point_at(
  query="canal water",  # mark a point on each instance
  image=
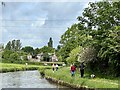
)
(25, 79)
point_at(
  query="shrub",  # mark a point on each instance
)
(25, 57)
(14, 56)
(73, 56)
(87, 54)
(6, 54)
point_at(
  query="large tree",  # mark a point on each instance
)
(50, 43)
(100, 20)
(98, 28)
(14, 45)
(28, 49)
(69, 40)
(8, 46)
(75, 36)
(47, 49)
(101, 15)
(18, 45)
(36, 51)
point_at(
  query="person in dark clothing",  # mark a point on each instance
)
(56, 67)
(82, 66)
(73, 68)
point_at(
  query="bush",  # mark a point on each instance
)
(6, 54)
(87, 54)
(25, 58)
(60, 58)
(73, 56)
(14, 56)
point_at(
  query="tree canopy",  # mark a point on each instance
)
(28, 49)
(50, 43)
(98, 32)
(14, 45)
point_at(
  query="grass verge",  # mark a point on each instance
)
(64, 75)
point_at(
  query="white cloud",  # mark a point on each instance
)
(37, 22)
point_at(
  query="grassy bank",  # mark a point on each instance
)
(64, 74)
(8, 67)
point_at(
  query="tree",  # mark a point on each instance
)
(73, 55)
(72, 38)
(13, 45)
(36, 51)
(101, 15)
(69, 40)
(14, 56)
(6, 54)
(1, 46)
(28, 49)
(87, 54)
(100, 18)
(110, 50)
(8, 46)
(58, 47)
(50, 43)
(18, 45)
(70, 34)
(46, 57)
(98, 33)
(47, 49)
(60, 58)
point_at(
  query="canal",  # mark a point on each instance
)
(25, 79)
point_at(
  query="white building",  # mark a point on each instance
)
(40, 56)
(29, 57)
(54, 58)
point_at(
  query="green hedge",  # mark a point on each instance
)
(30, 63)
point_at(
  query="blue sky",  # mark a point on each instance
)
(35, 22)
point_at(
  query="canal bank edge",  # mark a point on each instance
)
(9, 67)
(5, 70)
(61, 82)
(67, 84)
(49, 75)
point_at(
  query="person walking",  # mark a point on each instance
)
(73, 68)
(82, 66)
(56, 67)
(53, 67)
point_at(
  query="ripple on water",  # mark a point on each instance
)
(25, 79)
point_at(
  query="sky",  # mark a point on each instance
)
(35, 22)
